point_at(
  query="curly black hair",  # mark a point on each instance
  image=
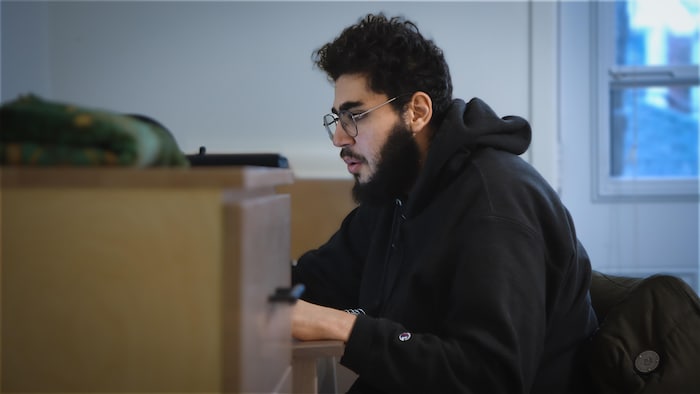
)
(394, 56)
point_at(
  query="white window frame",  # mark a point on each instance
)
(607, 74)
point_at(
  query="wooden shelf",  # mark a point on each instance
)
(144, 280)
(198, 177)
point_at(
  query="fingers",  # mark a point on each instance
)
(314, 322)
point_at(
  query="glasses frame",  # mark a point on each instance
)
(336, 118)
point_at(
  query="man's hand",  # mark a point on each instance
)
(314, 322)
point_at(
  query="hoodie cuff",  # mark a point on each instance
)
(357, 349)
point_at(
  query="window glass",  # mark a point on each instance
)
(654, 32)
(654, 112)
(650, 137)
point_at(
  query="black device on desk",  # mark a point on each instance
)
(237, 159)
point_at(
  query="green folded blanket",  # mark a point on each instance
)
(34, 131)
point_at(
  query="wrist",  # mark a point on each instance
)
(340, 325)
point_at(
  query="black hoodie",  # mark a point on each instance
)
(475, 283)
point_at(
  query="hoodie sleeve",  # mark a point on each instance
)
(332, 273)
(492, 339)
(506, 294)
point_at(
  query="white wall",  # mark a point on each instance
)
(24, 58)
(622, 237)
(238, 76)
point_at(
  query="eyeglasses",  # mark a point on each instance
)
(348, 120)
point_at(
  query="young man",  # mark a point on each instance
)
(460, 270)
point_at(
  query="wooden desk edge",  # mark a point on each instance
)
(317, 349)
(160, 177)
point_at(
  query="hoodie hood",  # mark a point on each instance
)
(475, 124)
(467, 127)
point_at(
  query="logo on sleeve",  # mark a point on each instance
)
(404, 336)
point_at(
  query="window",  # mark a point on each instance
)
(648, 99)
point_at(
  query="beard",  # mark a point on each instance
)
(397, 169)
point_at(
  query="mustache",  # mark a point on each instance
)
(346, 152)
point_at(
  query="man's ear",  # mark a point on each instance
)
(419, 111)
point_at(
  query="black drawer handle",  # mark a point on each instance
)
(287, 294)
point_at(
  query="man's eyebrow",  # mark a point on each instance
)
(346, 106)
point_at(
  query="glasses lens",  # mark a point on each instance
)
(329, 122)
(348, 123)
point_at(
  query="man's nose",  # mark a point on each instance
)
(341, 138)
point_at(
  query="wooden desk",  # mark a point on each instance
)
(157, 280)
(306, 357)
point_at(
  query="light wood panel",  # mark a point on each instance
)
(318, 208)
(144, 281)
